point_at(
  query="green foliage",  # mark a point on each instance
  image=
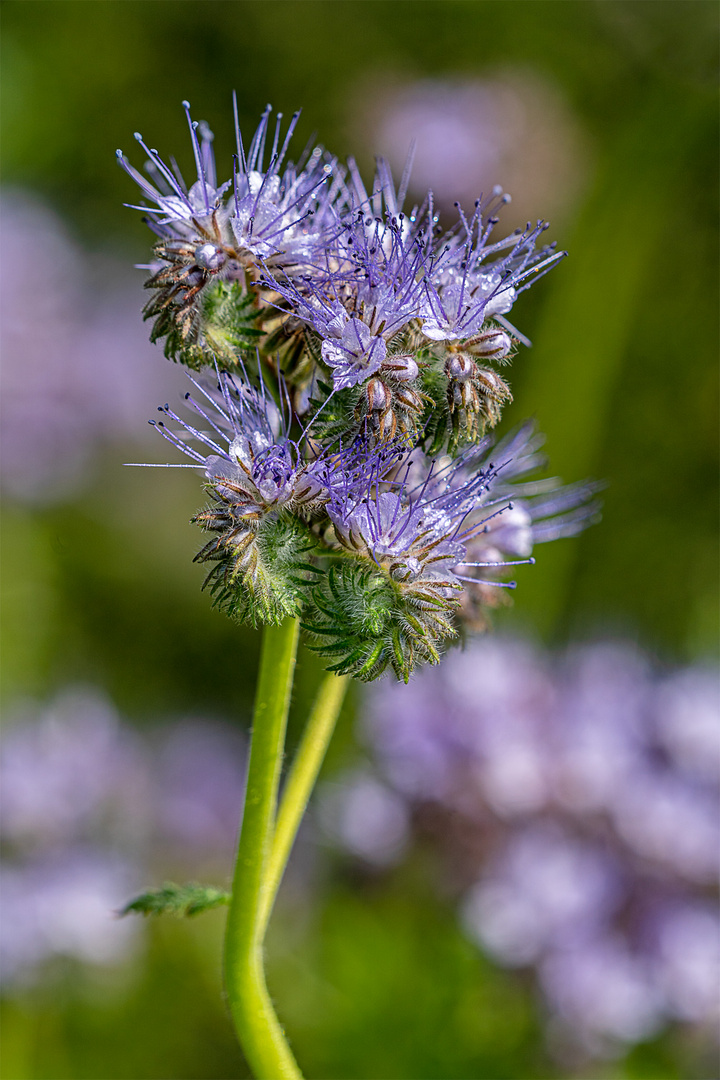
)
(437, 421)
(339, 415)
(218, 325)
(179, 900)
(395, 989)
(262, 574)
(450, 426)
(366, 622)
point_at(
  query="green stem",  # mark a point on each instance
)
(257, 1026)
(300, 783)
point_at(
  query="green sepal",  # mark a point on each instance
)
(269, 581)
(178, 900)
(364, 622)
(339, 412)
(438, 429)
(222, 327)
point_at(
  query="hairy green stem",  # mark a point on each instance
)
(300, 783)
(257, 1026)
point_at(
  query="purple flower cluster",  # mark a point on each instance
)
(351, 345)
(269, 209)
(371, 280)
(465, 520)
(390, 281)
(432, 526)
(253, 464)
(578, 804)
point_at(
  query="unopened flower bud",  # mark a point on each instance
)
(490, 382)
(387, 425)
(210, 257)
(378, 395)
(194, 276)
(408, 399)
(402, 368)
(308, 489)
(460, 367)
(495, 343)
(408, 570)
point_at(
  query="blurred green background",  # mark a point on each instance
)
(622, 378)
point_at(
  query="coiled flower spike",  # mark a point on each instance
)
(262, 496)
(422, 546)
(209, 242)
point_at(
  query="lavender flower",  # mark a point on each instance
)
(336, 279)
(465, 289)
(363, 297)
(210, 238)
(412, 527)
(89, 809)
(266, 215)
(77, 369)
(64, 905)
(468, 131)
(413, 530)
(254, 467)
(442, 512)
(388, 287)
(268, 493)
(581, 831)
(355, 356)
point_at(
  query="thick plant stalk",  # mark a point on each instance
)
(300, 783)
(257, 1026)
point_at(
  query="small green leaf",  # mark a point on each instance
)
(178, 900)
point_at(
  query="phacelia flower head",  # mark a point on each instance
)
(354, 346)
(262, 489)
(438, 538)
(471, 284)
(210, 236)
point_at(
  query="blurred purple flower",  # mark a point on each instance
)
(64, 767)
(366, 818)
(604, 992)
(77, 367)
(546, 888)
(64, 905)
(91, 811)
(512, 126)
(199, 788)
(578, 802)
